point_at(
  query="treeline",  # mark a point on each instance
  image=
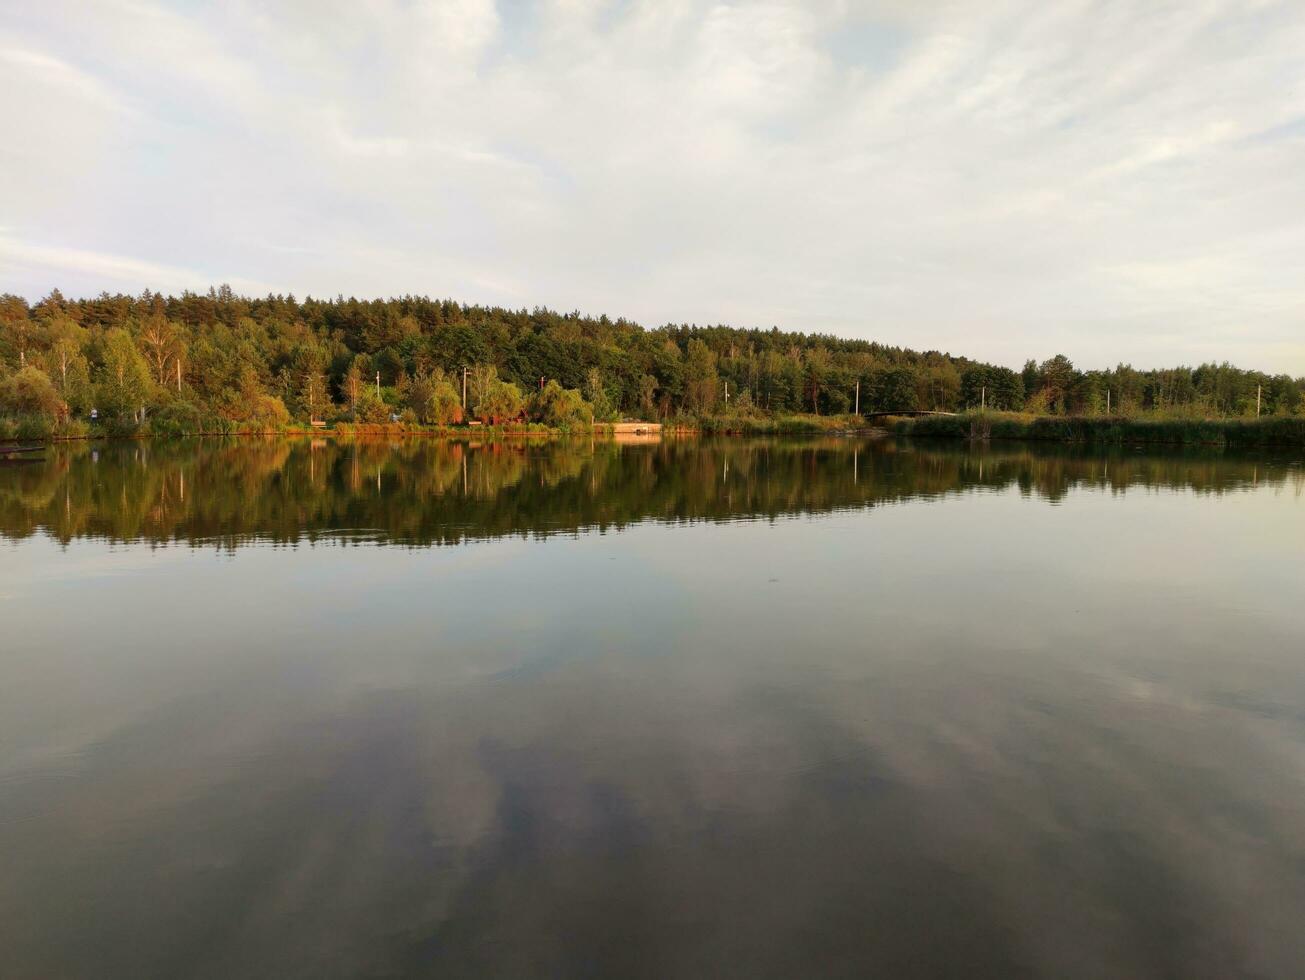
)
(222, 362)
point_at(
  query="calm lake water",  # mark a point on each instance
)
(697, 709)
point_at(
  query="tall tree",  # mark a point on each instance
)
(701, 382)
(125, 379)
(160, 339)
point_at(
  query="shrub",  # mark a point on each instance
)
(31, 392)
(34, 427)
(180, 418)
(258, 413)
(72, 428)
(562, 408)
(434, 400)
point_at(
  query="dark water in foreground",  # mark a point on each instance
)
(756, 709)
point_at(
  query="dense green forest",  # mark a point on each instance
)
(219, 362)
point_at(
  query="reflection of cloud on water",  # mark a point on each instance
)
(88, 561)
(989, 822)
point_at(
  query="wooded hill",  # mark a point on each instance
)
(221, 361)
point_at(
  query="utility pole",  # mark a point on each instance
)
(983, 399)
(858, 397)
(464, 391)
(1258, 389)
(378, 385)
(178, 373)
(1107, 401)
(727, 394)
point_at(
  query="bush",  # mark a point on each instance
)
(27, 427)
(258, 413)
(30, 392)
(562, 408)
(72, 429)
(121, 427)
(500, 402)
(434, 400)
(180, 418)
(371, 409)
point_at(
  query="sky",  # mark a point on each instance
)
(1115, 181)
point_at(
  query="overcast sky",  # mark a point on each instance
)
(1005, 179)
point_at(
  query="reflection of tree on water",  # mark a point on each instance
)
(422, 492)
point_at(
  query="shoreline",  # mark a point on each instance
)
(1108, 430)
(1276, 431)
(454, 435)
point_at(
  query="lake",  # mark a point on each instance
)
(754, 708)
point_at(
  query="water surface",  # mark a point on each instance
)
(744, 708)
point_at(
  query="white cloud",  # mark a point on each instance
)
(1115, 180)
(44, 70)
(20, 259)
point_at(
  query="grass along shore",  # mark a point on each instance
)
(1089, 430)
(1233, 433)
(40, 429)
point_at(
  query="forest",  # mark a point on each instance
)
(220, 362)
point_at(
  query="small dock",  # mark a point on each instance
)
(631, 432)
(631, 428)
